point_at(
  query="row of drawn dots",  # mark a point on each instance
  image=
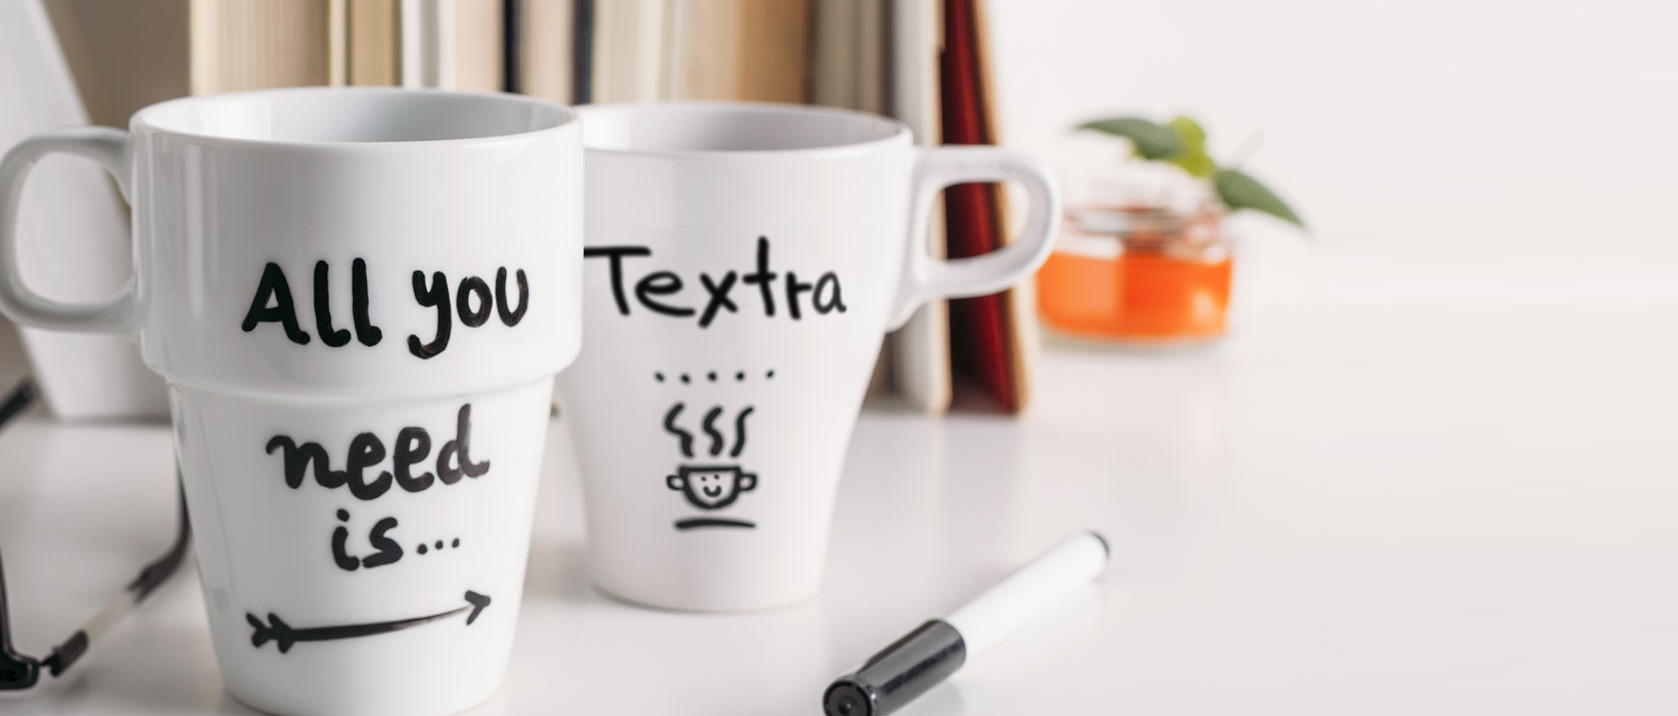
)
(712, 376)
(422, 549)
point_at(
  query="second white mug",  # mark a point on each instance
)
(742, 264)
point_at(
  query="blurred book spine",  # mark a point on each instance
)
(848, 54)
(451, 44)
(649, 50)
(545, 30)
(373, 42)
(988, 334)
(254, 44)
(919, 353)
(478, 45)
(753, 50)
(629, 39)
(922, 61)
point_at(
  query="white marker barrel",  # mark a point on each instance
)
(1070, 563)
(931, 653)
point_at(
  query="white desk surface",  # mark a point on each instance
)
(1428, 483)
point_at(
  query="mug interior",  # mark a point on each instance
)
(724, 127)
(360, 115)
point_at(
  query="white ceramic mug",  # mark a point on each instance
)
(359, 298)
(743, 263)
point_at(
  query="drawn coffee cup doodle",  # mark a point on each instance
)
(710, 486)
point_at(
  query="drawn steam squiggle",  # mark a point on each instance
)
(740, 432)
(709, 424)
(717, 440)
(671, 427)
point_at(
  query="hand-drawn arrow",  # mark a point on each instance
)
(284, 635)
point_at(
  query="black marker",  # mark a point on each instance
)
(922, 658)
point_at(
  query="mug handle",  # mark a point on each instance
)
(108, 147)
(926, 278)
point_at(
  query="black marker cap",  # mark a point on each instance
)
(899, 673)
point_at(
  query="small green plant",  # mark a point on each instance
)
(1182, 142)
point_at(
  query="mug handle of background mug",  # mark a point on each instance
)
(926, 278)
(108, 147)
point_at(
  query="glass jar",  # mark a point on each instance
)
(1138, 274)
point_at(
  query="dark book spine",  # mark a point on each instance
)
(512, 18)
(582, 48)
(979, 337)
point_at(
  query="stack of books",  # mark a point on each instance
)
(923, 61)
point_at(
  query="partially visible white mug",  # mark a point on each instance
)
(359, 298)
(743, 262)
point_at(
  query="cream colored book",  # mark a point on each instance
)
(450, 44)
(546, 45)
(920, 350)
(255, 44)
(477, 45)
(848, 54)
(751, 50)
(629, 42)
(373, 39)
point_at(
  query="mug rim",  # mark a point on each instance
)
(147, 117)
(900, 133)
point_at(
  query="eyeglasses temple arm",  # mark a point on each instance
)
(151, 577)
(17, 671)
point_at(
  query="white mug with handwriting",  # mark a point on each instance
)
(359, 298)
(743, 262)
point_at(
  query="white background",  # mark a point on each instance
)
(1383, 120)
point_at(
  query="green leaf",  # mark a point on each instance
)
(1190, 132)
(1151, 139)
(1241, 191)
(1197, 165)
(1192, 158)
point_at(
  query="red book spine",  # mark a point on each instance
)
(979, 345)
